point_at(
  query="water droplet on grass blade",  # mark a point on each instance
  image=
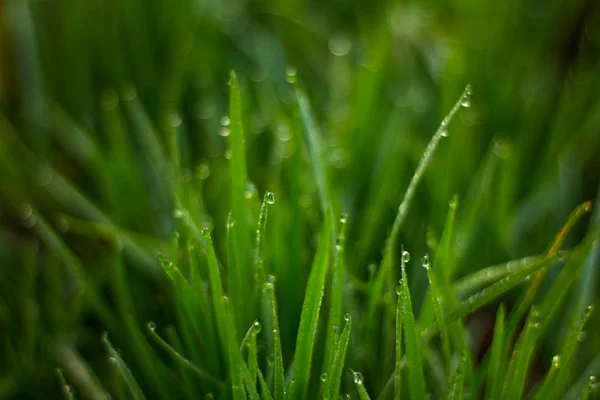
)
(344, 218)
(290, 74)
(225, 120)
(405, 256)
(444, 132)
(340, 45)
(358, 378)
(177, 213)
(256, 327)
(202, 171)
(224, 132)
(556, 361)
(425, 261)
(270, 197)
(347, 317)
(323, 377)
(152, 326)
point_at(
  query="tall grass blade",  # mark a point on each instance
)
(455, 386)
(310, 314)
(416, 381)
(239, 179)
(334, 376)
(115, 357)
(497, 358)
(360, 387)
(269, 288)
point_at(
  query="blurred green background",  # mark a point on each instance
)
(99, 97)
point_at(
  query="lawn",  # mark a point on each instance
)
(294, 199)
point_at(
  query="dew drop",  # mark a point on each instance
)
(256, 327)
(225, 120)
(205, 231)
(346, 396)
(425, 261)
(270, 197)
(290, 74)
(582, 336)
(445, 121)
(25, 211)
(358, 378)
(405, 256)
(177, 213)
(227, 153)
(224, 132)
(209, 396)
(589, 309)
(347, 317)
(444, 132)
(202, 171)
(556, 361)
(152, 326)
(343, 218)
(398, 289)
(323, 377)
(466, 101)
(112, 360)
(340, 45)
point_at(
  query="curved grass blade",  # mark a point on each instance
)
(486, 295)
(249, 342)
(557, 243)
(310, 315)
(334, 377)
(388, 254)
(265, 393)
(497, 358)
(216, 287)
(337, 283)
(416, 381)
(269, 288)
(201, 374)
(132, 385)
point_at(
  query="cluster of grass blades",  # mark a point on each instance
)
(356, 227)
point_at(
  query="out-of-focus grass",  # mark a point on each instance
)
(121, 140)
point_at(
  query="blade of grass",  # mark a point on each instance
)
(497, 358)
(269, 288)
(358, 381)
(516, 374)
(554, 384)
(201, 374)
(455, 386)
(390, 244)
(65, 388)
(239, 178)
(337, 285)
(557, 243)
(435, 296)
(334, 374)
(310, 314)
(125, 372)
(236, 364)
(265, 393)
(416, 381)
(398, 365)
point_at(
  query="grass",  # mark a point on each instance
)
(296, 200)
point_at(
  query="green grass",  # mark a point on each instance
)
(299, 200)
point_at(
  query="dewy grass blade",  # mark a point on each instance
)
(554, 248)
(398, 356)
(333, 383)
(203, 375)
(360, 387)
(234, 274)
(236, 364)
(249, 342)
(497, 358)
(416, 381)
(115, 357)
(269, 288)
(310, 314)
(486, 295)
(216, 287)
(265, 393)
(455, 385)
(516, 374)
(435, 296)
(337, 284)
(239, 180)
(388, 254)
(65, 388)
(554, 384)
